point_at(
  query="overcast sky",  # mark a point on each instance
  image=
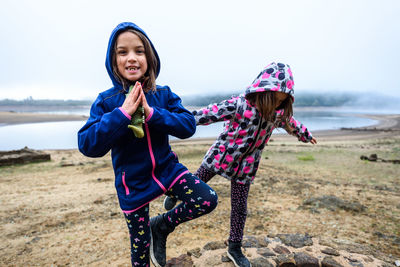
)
(56, 49)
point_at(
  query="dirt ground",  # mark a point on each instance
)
(65, 212)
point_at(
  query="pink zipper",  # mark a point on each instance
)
(152, 159)
(123, 181)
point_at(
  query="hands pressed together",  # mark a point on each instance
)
(135, 99)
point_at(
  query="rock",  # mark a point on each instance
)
(330, 251)
(330, 262)
(333, 203)
(261, 262)
(305, 260)
(224, 258)
(397, 263)
(214, 245)
(265, 252)
(194, 252)
(183, 260)
(296, 240)
(22, 156)
(250, 242)
(212, 260)
(285, 260)
(263, 241)
(337, 253)
(281, 250)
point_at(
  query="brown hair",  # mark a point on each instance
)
(148, 81)
(265, 103)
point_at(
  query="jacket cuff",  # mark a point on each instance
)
(150, 115)
(126, 114)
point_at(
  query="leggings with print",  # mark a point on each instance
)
(197, 199)
(239, 194)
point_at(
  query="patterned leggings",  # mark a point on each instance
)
(197, 199)
(239, 194)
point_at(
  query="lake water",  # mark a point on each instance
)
(63, 135)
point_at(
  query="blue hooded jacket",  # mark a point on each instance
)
(144, 168)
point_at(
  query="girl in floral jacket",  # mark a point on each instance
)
(249, 122)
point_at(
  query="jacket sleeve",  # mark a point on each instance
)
(224, 110)
(101, 130)
(174, 119)
(299, 130)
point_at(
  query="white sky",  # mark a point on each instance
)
(56, 49)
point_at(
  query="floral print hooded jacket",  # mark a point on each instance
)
(237, 151)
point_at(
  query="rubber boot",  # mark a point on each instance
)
(169, 202)
(236, 255)
(159, 233)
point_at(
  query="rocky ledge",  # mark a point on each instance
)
(288, 250)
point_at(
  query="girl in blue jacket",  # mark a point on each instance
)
(145, 167)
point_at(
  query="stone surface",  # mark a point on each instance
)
(181, 261)
(330, 251)
(214, 245)
(22, 156)
(194, 252)
(330, 262)
(285, 260)
(265, 252)
(281, 250)
(274, 252)
(250, 242)
(305, 260)
(261, 262)
(333, 203)
(296, 240)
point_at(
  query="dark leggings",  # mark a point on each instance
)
(239, 194)
(197, 199)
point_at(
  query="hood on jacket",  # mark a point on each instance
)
(120, 28)
(275, 77)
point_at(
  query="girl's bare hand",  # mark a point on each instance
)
(133, 99)
(313, 141)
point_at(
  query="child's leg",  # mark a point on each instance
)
(197, 199)
(204, 174)
(239, 194)
(139, 232)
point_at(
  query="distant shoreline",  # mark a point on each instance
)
(13, 118)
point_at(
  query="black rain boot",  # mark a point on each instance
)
(159, 233)
(236, 255)
(170, 202)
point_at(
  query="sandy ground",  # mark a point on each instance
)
(65, 212)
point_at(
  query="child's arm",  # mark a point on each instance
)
(225, 110)
(101, 130)
(300, 131)
(297, 129)
(174, 120)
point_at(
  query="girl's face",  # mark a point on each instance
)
(131, 56)
(279, 98)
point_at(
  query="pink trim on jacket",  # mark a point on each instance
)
(176, 179)
(150, 114)
(152, 159)
(126, 114)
